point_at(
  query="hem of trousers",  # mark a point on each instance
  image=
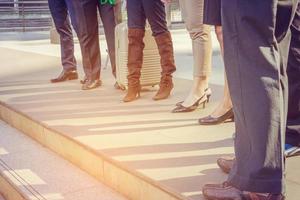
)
(202, 74)
(70, 68)
(273, 186)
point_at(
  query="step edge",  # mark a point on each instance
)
(102, 156)
(9, 190)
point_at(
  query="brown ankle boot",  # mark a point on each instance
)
(165, 47)
(133, 93)
(165, 88)
(135, 60)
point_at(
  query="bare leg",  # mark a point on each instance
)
(197, 90)
(225, 103)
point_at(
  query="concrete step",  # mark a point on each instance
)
(140, 149)
(30, 171)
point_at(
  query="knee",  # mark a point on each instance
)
(202, 33)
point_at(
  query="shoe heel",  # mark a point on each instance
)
(208, 98)
(204, 104)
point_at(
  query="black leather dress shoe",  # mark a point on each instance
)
(225, 191)
(209, 120)
(65, 76)
(91, 84)
(226, 164)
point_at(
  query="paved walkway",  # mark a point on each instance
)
(41, 174)
(169, 148)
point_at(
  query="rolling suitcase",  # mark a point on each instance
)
(150, 73)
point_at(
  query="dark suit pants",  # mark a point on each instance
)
(257, 83)
(154, 11)
(60, 10)
(293, 71)
(87, 31)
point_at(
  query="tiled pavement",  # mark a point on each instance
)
(169, 148)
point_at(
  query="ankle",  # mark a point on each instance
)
(200, 84)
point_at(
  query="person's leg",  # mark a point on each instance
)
(136, 33)
(109, 24)
(225, 105)
(200, 34)
(293, 72)
(59, 12)
(253, 65)
(254, 80)
(156, 15)
(85, 12)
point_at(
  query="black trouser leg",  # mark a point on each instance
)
(293, 71)
(109, 24)
(156, 16)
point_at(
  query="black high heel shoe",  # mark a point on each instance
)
(201, 101)
(207, 91)
(208, 94)
(209, 120)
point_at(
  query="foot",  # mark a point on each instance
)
(191, 100)
(226, 164)
(65, 76)
(91, 84)
(210, 120)
(208, 95)
(226, 191)
(200, 101)
(199, 87)
(133, 93)
(224, 106)
(164, 91)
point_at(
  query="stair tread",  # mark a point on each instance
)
(49, 175)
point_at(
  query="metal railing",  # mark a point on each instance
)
(24, 15)
(34, 15)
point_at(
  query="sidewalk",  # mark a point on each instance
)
(39, 43)
(41, 174)
(169, 150)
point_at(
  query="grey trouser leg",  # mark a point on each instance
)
(108, 20)
(87, 32)
(256, 81)
(293, 72)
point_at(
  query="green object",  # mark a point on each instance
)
(111, 2)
